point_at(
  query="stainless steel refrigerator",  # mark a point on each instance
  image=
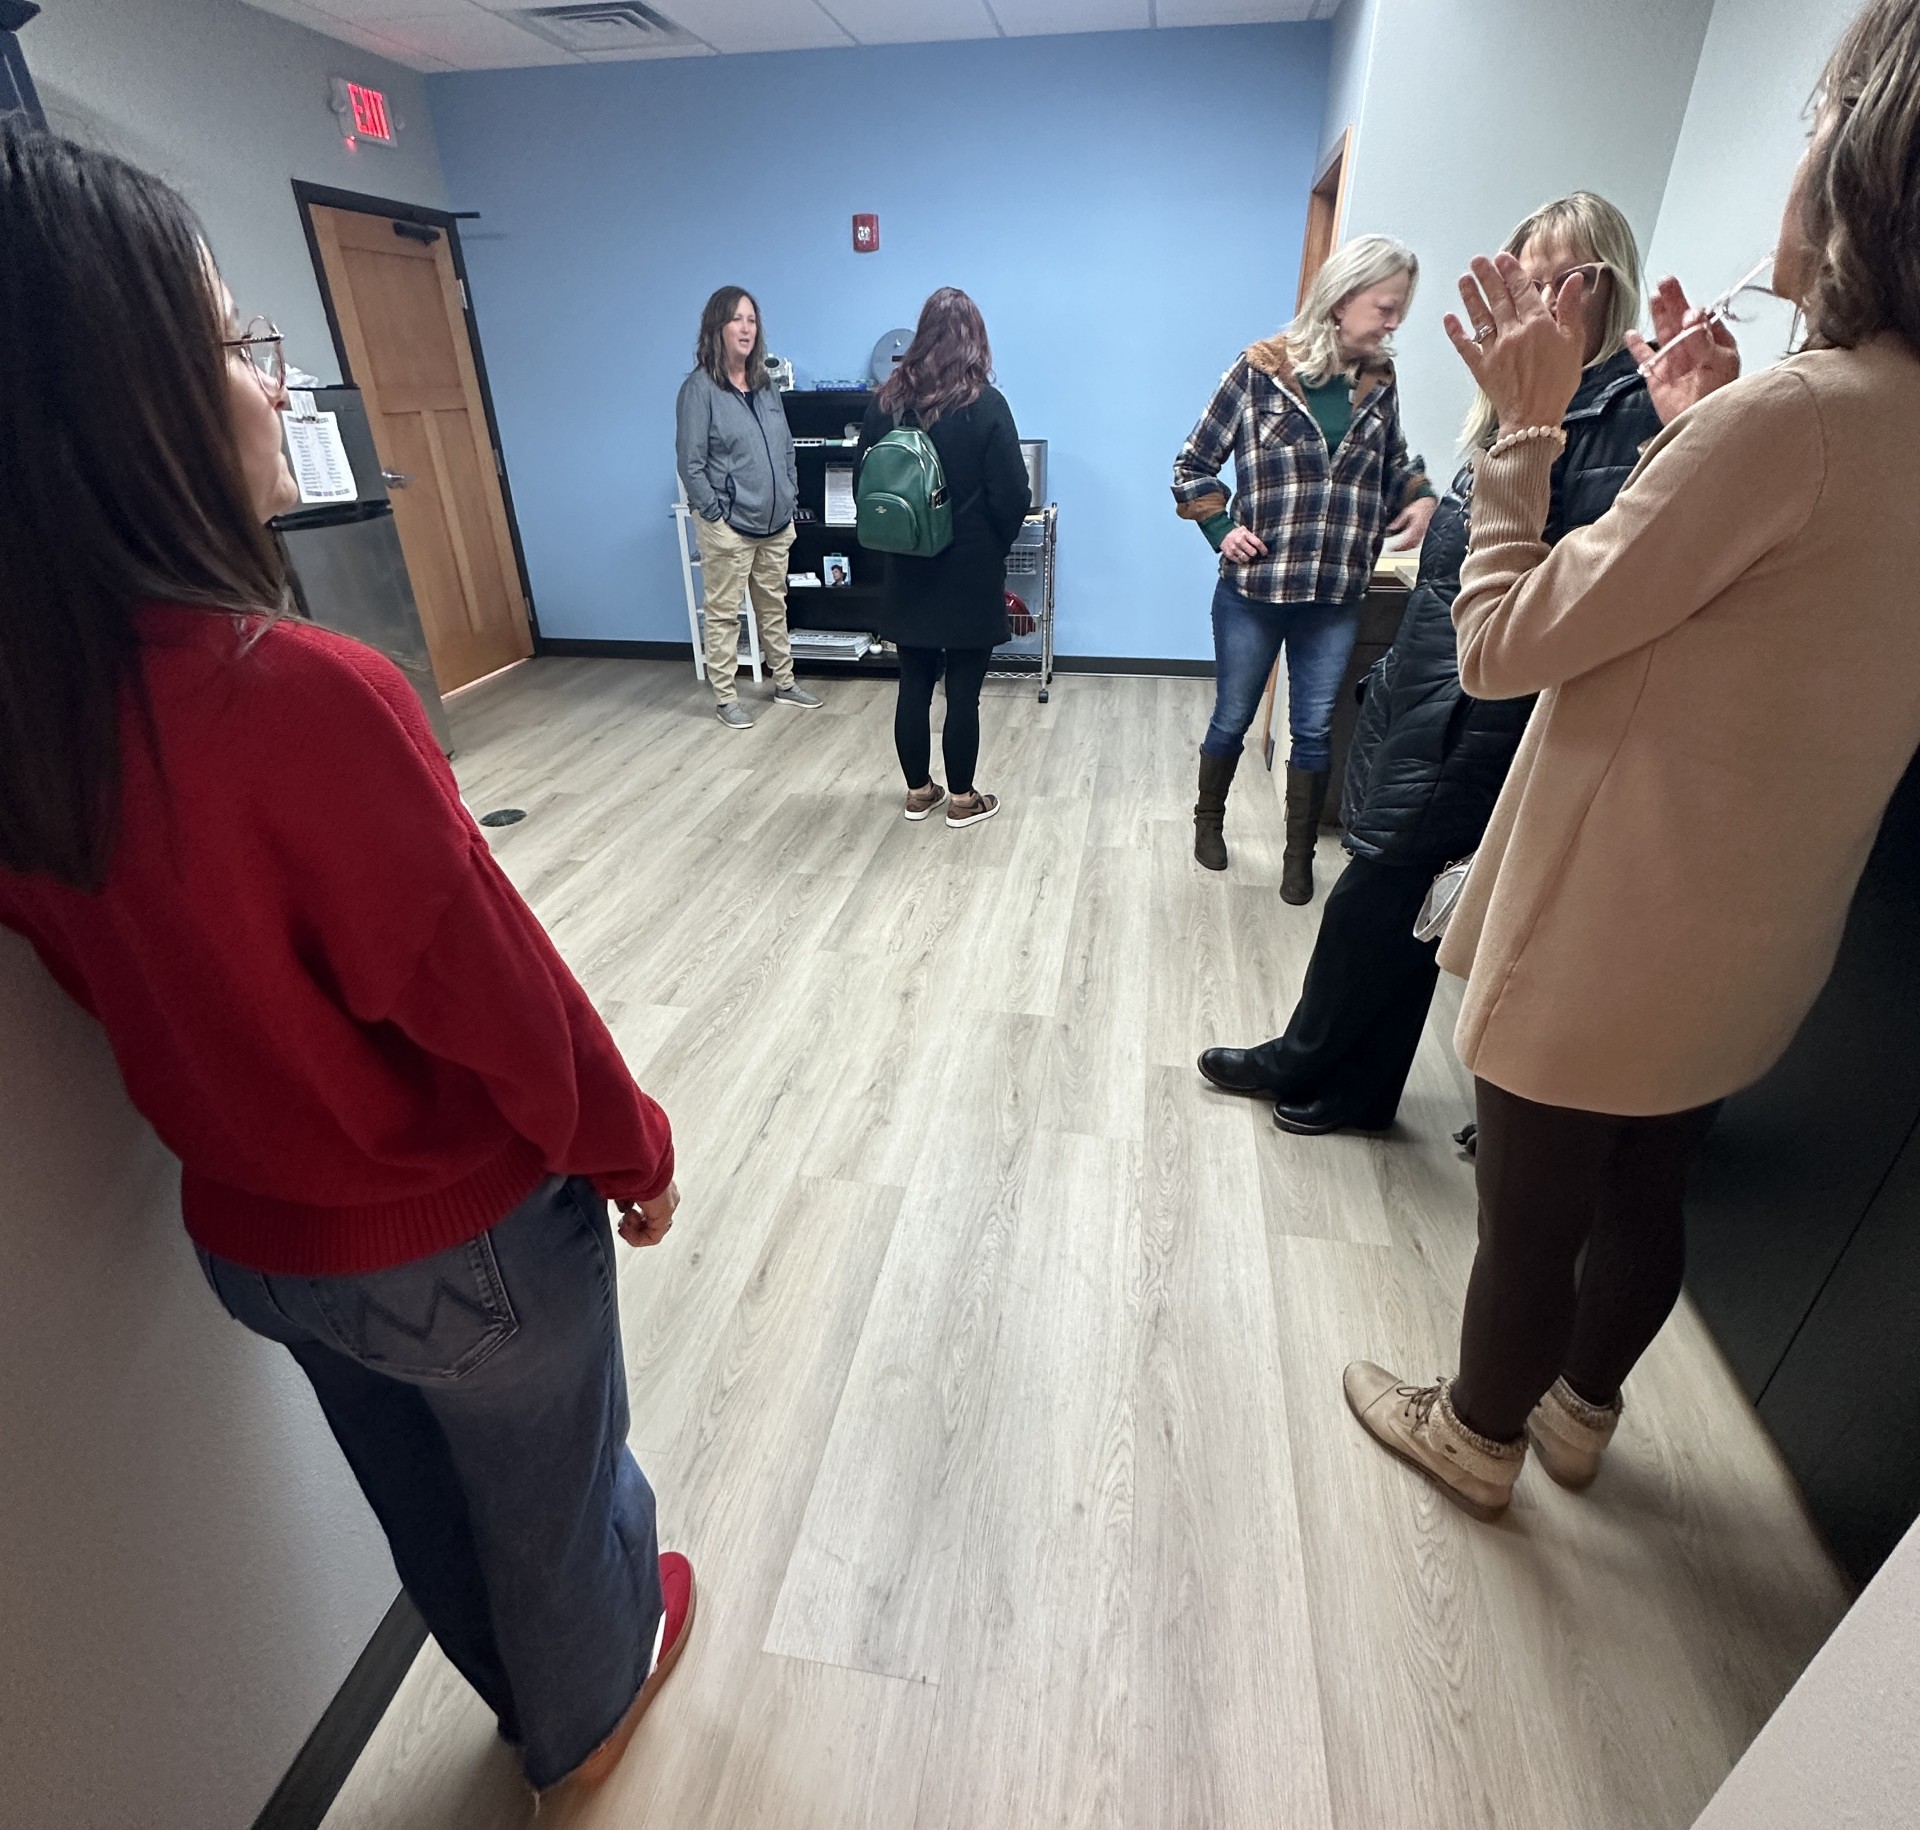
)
(345, 560)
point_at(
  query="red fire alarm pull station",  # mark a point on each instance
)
(866, 234)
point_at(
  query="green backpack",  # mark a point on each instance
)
(902, 505)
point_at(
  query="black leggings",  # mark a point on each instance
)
(1554, 1182)
(960, 740)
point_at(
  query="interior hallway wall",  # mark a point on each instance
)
(187, 1571)
(1745, 128)
(1471, 113)
(230, 104)
(1127, 209)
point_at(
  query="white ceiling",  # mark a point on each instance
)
(485, 35)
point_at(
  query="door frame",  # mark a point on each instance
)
(1326, 209)
(307, 196)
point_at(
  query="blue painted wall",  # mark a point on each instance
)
(1127, 208)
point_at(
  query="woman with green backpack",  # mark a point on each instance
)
(942, 490)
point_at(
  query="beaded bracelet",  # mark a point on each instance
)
(1507, 441)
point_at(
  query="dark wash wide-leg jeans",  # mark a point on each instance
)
(480, 1396)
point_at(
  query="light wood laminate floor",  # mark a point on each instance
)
(991, 1374)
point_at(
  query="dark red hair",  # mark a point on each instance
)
(947, 363)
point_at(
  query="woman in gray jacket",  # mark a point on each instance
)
(735, 456)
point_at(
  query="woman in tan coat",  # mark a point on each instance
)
(1728, 666)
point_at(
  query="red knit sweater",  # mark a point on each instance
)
(321, 990)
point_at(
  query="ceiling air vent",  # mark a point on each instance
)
(605, 25)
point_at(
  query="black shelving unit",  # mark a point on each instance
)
(832, 414)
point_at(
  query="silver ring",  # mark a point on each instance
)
(1480, 336)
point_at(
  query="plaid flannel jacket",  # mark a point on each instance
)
(1323, 515)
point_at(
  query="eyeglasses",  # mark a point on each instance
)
(1589, 271)
(265, 349)
(1737, 305)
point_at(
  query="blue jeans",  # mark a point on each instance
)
(1247, 639)
(480, 1397)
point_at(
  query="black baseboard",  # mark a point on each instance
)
(593, 647)
(307, 1790)
(588, 647)
(1159, 667)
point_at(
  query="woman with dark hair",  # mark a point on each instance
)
(402, 1180)
(1729, 691)
(735, 457)
(1427, 761)
(949, 612)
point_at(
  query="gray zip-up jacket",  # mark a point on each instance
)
(735, 458)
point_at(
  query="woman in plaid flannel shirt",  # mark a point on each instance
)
(1311, 420)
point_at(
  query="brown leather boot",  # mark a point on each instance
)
(1210, 810)
(1306, 800)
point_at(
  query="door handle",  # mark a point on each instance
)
(395, 479)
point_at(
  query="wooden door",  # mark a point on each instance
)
(403, 321)
(1326, 211)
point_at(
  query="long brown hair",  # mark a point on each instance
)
(1861, 209)
(947, 363)
(711, 351)
(120, 478)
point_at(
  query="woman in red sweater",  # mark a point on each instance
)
(232, 838)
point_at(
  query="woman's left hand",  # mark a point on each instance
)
(1411, 524)
(1526, 354)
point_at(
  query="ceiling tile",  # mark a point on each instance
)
(1233, 12)
(1031, 18)
(912, 21)
(469, 40)
(756, 25)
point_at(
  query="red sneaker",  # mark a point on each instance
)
(676, 1627)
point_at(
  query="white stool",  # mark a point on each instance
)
(696, 599)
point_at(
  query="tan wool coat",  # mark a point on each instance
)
(1729, 670)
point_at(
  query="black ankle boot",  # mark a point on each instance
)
(1316, 1117)
(1242, 1070)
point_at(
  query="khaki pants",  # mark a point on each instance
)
(731, 566)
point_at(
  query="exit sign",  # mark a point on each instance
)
(363, 113)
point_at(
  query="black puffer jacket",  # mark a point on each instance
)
(1427, 762)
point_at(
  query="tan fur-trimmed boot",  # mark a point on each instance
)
(1570, 1435)
(1418, 1424)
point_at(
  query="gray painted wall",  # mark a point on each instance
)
(187, 1571)
(1745, 129)
(231, 104)
(1475, 111)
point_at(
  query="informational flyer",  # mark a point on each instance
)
(839, 509)
(318, 458)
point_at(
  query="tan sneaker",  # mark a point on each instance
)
(971, 808)
(923, 801)
(1570, 1434)
(1417, 1422)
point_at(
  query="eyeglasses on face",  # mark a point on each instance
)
(1589, 271)
(265, 349)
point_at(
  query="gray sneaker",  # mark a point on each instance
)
(796, 695)
(733, 715)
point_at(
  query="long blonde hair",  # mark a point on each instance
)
(1593, 230)
(1313, 339)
